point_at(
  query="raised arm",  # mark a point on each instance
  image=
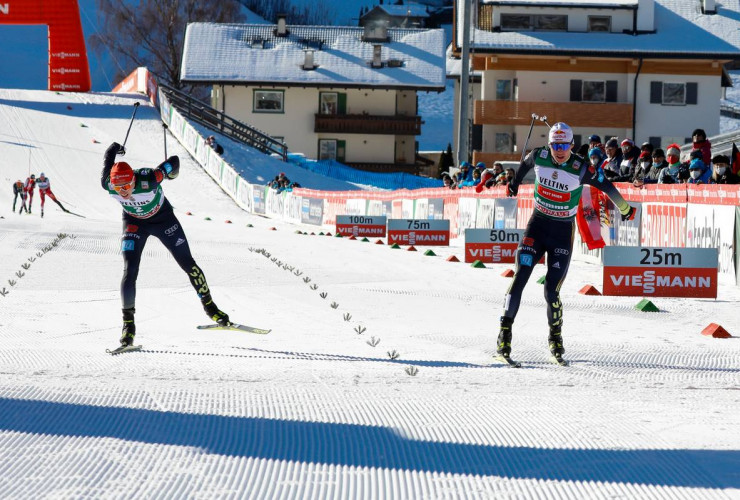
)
(108, 160)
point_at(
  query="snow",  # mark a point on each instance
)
(226, 53)
(648, 408)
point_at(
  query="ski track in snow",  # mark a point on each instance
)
(648, 408)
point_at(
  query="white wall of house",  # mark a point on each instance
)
(296, 123)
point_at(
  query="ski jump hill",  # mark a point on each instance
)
(376, 380)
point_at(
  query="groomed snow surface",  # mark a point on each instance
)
(648, 409)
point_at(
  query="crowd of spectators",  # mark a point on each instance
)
(281, 183)
(623, 161)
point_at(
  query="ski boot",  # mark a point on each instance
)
(504, 337)
(129, 328)
(42, 213)
(213, 311)
(555, 343)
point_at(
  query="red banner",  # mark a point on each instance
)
(660, 282)
(68, 66)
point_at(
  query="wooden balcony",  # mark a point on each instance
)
(368, 124)
(575, 114)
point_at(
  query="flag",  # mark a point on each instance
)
(735, 159)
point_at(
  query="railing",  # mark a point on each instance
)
(222, 123)
(575, 114)
(368, 124)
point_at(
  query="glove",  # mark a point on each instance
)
(630, 215)
(511, 189)
(483, 180)
(171, 168)
(120, 150)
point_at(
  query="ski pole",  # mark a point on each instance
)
(136, 106)
(164, 129)
(529, 134)
(544, 120)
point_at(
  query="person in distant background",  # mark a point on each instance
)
(211, 141)
(18, 192)
(28, 188)
(45, 190)
(701, 143)
(721, 173)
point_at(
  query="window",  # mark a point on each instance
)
(332, 149)
(503, 90)
(268, 101)
(332, 103)
(673, 93)
(526, 22)
(600, 23)
(594, 91)
(503, 143)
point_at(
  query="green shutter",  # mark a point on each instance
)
(342, 104)
(341, 147)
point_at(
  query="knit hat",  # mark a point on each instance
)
(611, 143)
(627, 142)
(658, 153)
(595, 152)
(645, 155)
(594, 138)
(121, 173)
(674, 149)
(697, 154)
(721, 159)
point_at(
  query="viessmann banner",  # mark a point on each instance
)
(661, 272)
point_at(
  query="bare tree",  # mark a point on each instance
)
(151, 33)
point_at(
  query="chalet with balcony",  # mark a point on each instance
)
(342, 93)
(650, 70)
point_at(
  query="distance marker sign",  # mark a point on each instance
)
(660, 272)
(492, 246)
(419, 232)
(361, 225)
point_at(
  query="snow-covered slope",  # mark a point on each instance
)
(648, 408)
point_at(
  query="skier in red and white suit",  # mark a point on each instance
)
(44, 186)
(28, 189)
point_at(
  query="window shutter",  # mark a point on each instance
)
(611, 90)
(577, 138)
(692, 92)
(656, 92)
(655, 141)
(575, 90)
(341, 151)
(342, 98)
(477, 139)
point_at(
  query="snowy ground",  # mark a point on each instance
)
(648, 409)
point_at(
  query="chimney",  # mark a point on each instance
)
(282, 25)
(645, 17)
(308, 60)
(709, 7)
(376, 32)
(377, 51)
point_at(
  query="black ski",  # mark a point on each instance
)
(507, 360)
(235, 327)
(123, 348)
(72, 213)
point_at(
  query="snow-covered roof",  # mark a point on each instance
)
(246, 53)
(681, 30)
(412, 10)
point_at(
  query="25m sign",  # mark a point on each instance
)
(660, 272)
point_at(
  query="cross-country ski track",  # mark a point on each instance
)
(649, 408)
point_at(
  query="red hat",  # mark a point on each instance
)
(674, 149)
(121, 173)
(645, 154)
(627, 142)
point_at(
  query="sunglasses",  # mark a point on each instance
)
(559, 146)
(123, 187)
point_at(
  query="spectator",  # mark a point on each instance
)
(721, 173)
(656, 168)
(465, 174)
(699, 172)
(612, 160)
(701, 143)
(498, 172)
(672, 174)
(646, 146)
(448, 182)
(508, 177)
(476, 176)
(644, 166)
(596, 156)
(211, 141)
(628, 165)
(583, 150)
(594, 141)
